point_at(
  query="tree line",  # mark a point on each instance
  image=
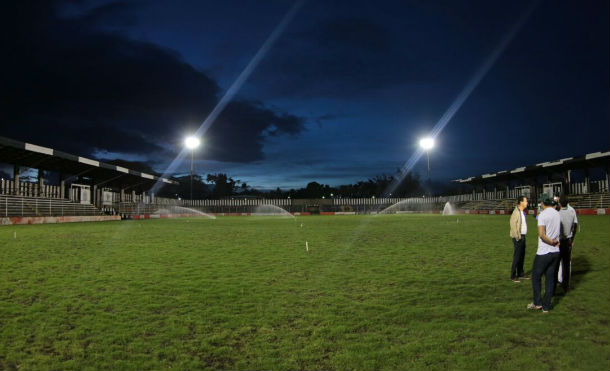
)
(220, 185)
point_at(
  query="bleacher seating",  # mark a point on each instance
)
(584, 201)
(16, 206)
(590, 201)
(483, 205)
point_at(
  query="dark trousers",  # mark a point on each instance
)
(518, 257)
(544, 265)
(565, 257)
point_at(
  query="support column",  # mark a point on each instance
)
(16, 178)
(62, 186)
(587, 182)
(94, 196)
(41, 192)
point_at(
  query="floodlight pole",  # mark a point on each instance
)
(192, 151)
(191, 143)
(428, 158)
(426, 144)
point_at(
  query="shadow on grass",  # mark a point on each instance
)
(580, 268)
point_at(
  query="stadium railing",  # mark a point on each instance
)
(590, 201)
(16, 206)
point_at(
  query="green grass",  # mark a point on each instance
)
(389, 292)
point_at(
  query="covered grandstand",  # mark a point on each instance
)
(584, 179)
(83, 187)
(94, 189)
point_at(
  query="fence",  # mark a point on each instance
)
(358, 205)
(236, 202)
(175, 206)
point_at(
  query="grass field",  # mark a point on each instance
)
(422, 292)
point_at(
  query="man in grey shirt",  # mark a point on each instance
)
(568, 231)
(575, 220)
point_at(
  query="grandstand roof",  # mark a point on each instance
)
(38, 157)
(594, 159)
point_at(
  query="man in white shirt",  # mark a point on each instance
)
(547, 256)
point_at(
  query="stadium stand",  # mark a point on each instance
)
(86, 188)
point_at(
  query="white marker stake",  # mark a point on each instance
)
(301, 225)
(306, 246)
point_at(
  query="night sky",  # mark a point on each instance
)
(344, 93)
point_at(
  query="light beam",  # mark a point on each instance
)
(235, 87)
(463, 95)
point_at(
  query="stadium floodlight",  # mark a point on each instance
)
(427, 144)
(192, 143)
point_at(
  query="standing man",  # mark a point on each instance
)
(568, 231)
(547, 256)
(518, 230)
(575, 220)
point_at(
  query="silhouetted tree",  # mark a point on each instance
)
(223, 185)
(408, 186)
(395, 185)
(183, 188)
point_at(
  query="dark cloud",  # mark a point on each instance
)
(325, 118)
(341, 54)
(357, 56)
(114, 15)
(358, 48)
(68, 85)
(240, 132)
(347, 33)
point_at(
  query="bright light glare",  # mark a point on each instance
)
(426, 143)
(191, 142)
